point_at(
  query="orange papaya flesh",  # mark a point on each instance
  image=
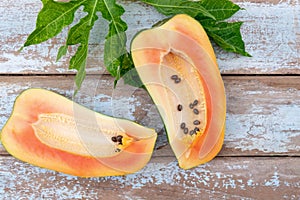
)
(178, 67)
(50, 131)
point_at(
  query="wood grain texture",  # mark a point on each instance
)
(263, 113)
(271, 33)
(223, 178)
(260, 158)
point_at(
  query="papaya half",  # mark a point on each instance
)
(50, 131)
(178, 67)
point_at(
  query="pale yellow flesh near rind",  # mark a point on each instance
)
(148, 50)
(79, 137)
(172, 63)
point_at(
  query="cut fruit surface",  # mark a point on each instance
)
(177, 65)
(50, 131)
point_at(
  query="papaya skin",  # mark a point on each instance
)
(183, 38)
(20, 140)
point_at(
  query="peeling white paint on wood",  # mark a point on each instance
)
(271, 33)
(8, 95)
(233, 178)
(262, 116)
(265, 132)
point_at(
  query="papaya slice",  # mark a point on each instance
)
(178, 67)
(50, 131)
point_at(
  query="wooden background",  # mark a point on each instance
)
(260, 158)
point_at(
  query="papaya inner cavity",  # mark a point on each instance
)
(79, 137)
(189, 107)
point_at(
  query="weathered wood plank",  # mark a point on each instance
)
(222, 178)
(271, 33)
(263, 113)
